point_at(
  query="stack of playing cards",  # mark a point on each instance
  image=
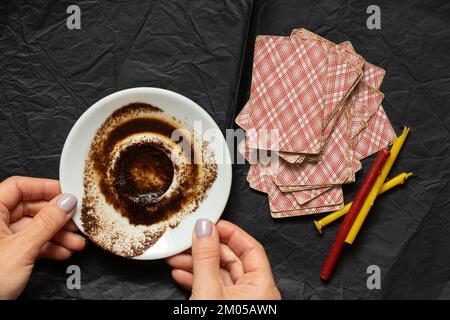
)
(314, 112)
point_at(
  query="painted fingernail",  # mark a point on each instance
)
(67, 202)
(203, 228)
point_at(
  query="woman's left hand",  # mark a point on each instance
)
(35, 221)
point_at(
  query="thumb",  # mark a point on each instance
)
(47, 222)
(207, 282)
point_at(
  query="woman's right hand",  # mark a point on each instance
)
(225, 263)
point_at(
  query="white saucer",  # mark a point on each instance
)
(78, 142)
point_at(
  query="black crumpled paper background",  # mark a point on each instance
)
(50, 75)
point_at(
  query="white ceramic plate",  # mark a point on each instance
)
(78, 142)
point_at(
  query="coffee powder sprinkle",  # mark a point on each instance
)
(137, 182)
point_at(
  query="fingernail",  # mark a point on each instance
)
(203, 228)
(67, 202)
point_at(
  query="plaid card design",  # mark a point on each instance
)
(288, 91)
(314, 112)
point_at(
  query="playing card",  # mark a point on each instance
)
(259, 177)
(303, 212)
(363, 104)
(314, 189)
(282, 202)
(305, 197)
(337, 88)
(320, 119)
(336, 80)
(292, 157)
(377, 135)
(243, 119)
(334, 165)
(257, 180)
(279, 201)
(366, 95)
(254, 177)
(372, 74)
(289, 82)
(337, 92)
(344, 71)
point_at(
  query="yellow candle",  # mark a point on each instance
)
(400, 179)
(376, 187)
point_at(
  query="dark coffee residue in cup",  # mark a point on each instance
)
(140, 175)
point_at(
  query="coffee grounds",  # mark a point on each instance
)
(137, 182)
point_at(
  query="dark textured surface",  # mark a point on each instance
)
(50, 75)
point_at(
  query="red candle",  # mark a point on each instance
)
(360, 197)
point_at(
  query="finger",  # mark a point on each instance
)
(182, 261)
(228, 261)
(22, 222)
(47, 223)
(247, 248)
(67, 239)
(4, 219)
(231, 263)
(26, 209)
(227, 281)
(4, 228)
(16, 189)
(19, 224)
(206, 258)
(183, 278)
(30, 208)
(54, 252)
(70, 240)
(71, 226)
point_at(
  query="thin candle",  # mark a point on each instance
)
(376, 187)
(349, 219)
(400, 179)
